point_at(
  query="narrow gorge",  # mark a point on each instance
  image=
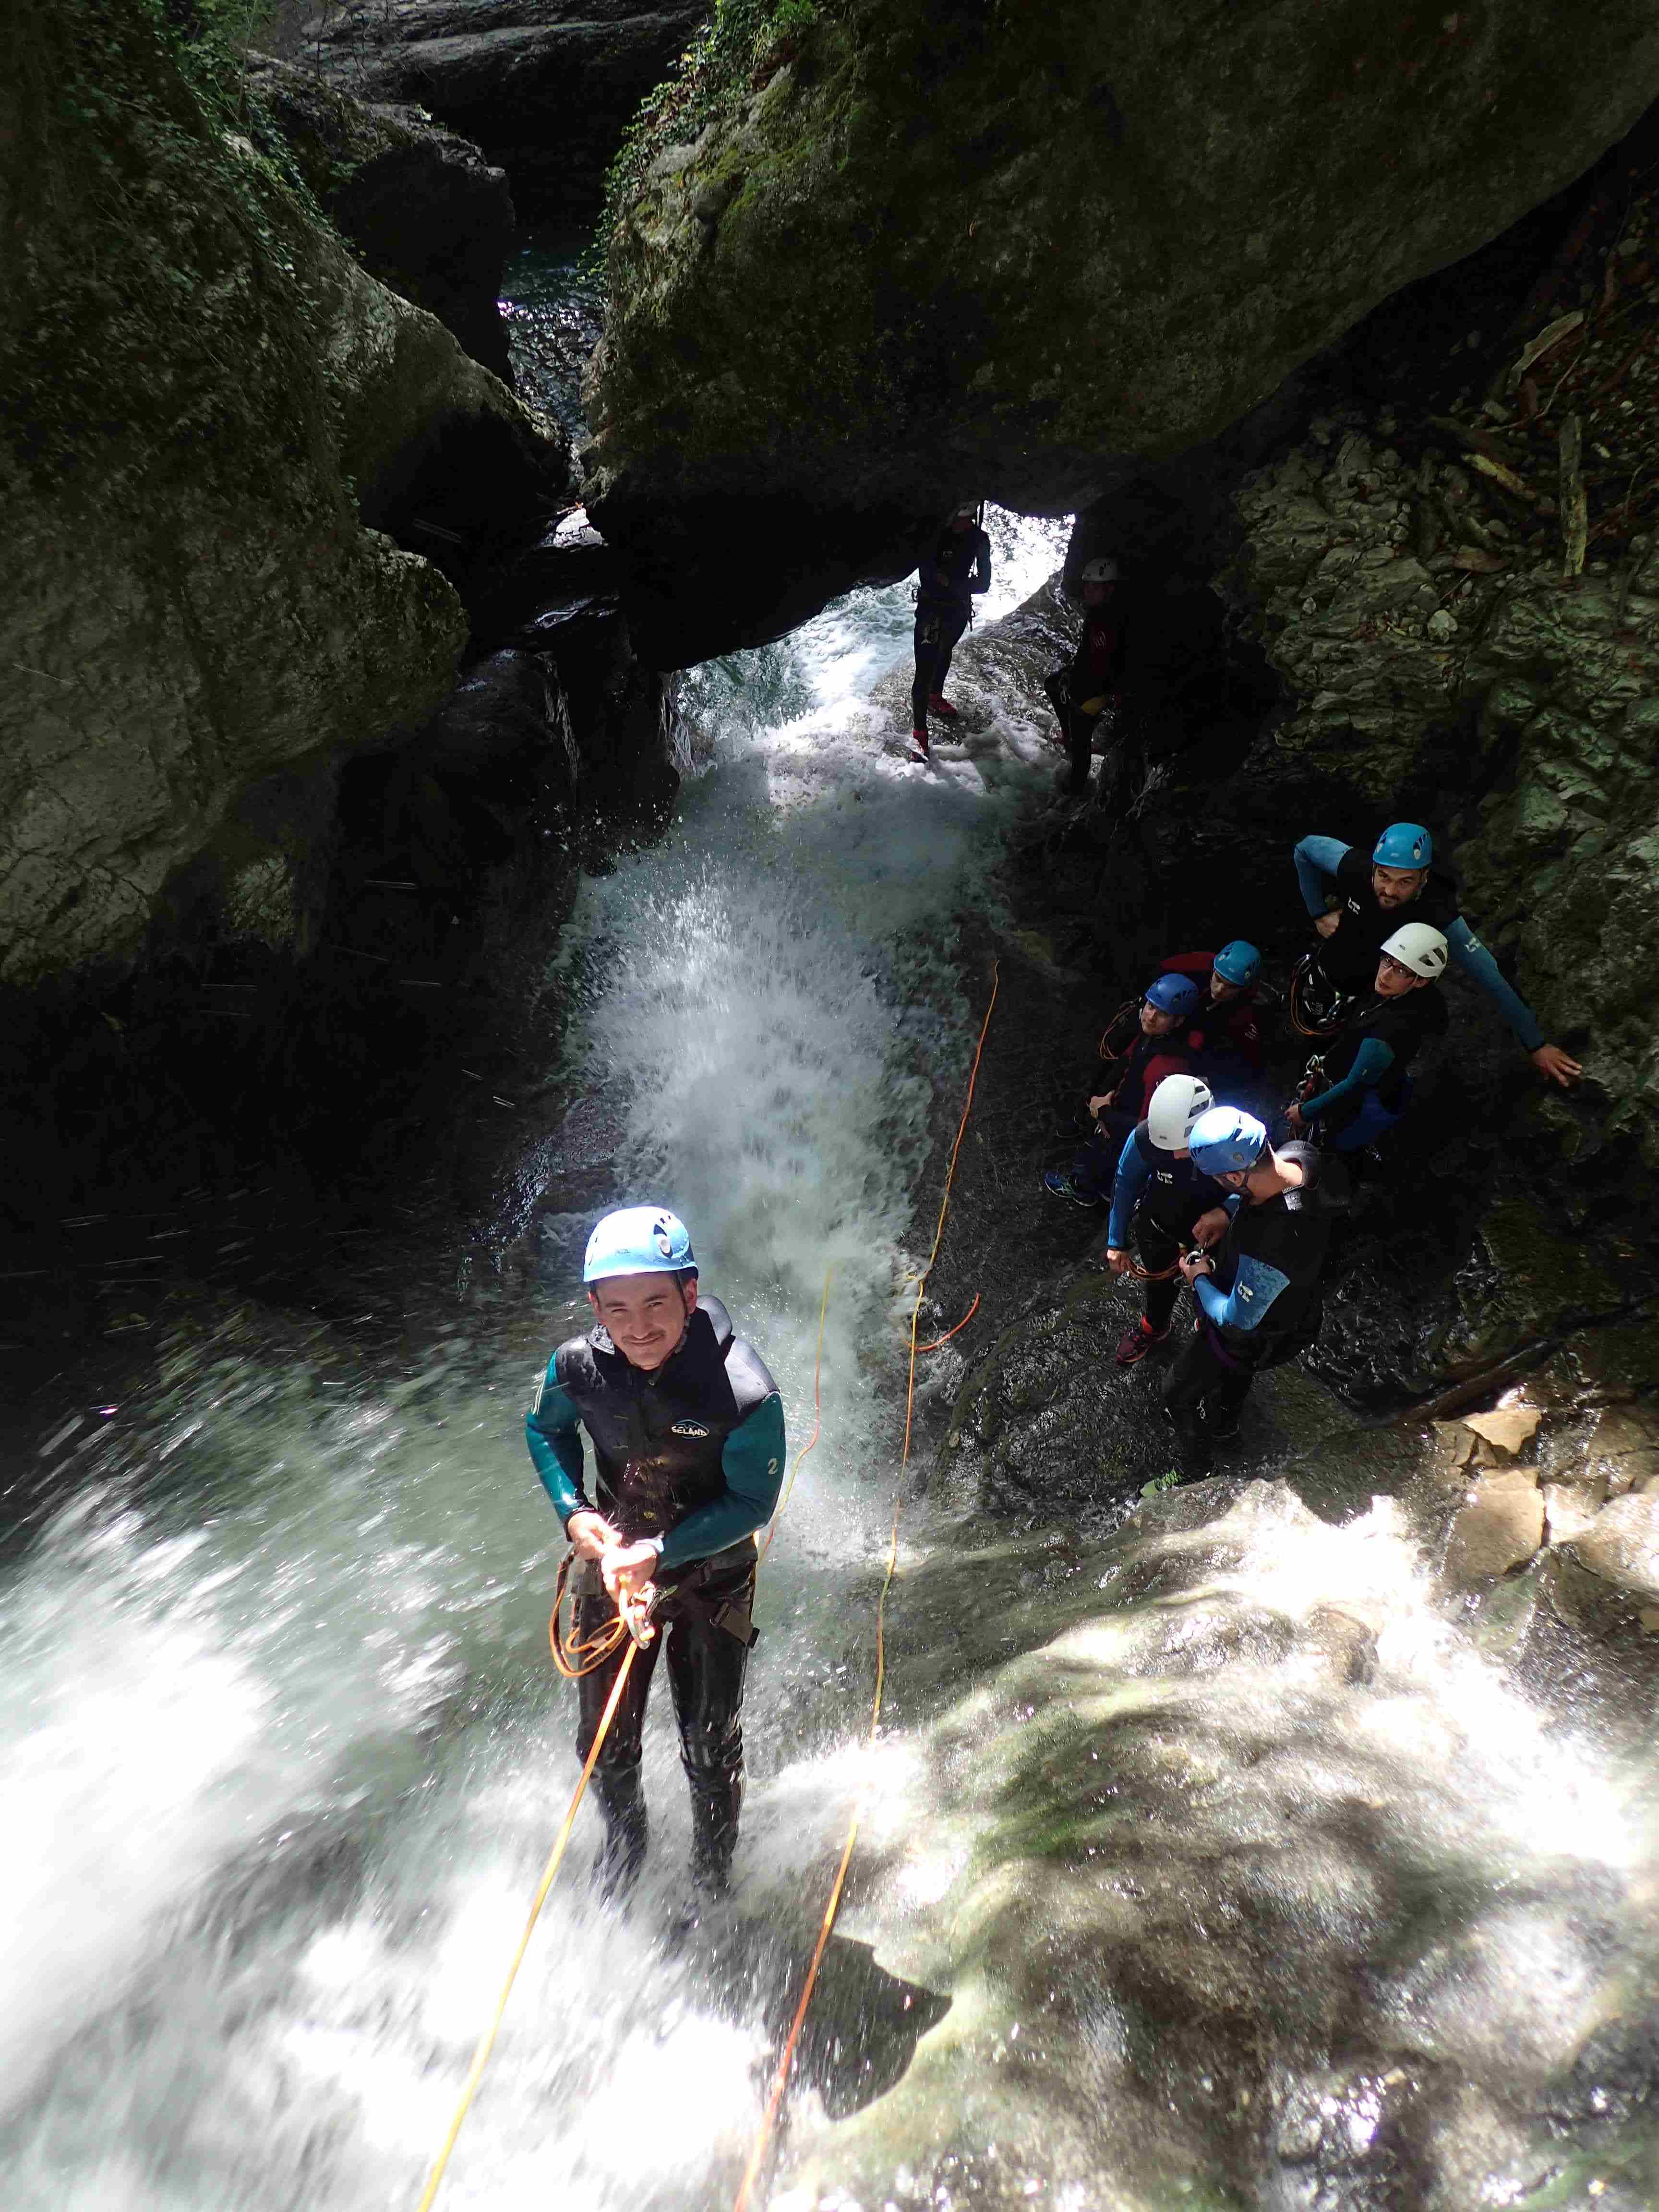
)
(466, 462)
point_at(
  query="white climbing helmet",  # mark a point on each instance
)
(1419, 946)
(1175, 1105)
(1103, 571)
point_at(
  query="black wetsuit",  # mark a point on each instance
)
(1349, 955)
(1262, 1304)
(692, 1450)
(943, 607)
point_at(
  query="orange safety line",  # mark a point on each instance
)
(780, 2079)
(949, 1333)
(487, 2041)
(817, 1422)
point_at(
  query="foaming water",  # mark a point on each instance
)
(284, 1752)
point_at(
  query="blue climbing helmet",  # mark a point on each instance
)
(638, 1240)
(1224, 1141)
(1173, 995)
(1238, 962)
(1404, 845)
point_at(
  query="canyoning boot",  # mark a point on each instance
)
(939, 705)
(1192, 1445)
(1058, 1183)
(1135, 1343)
(919, 741)
(1221, 1422)
(716, 1801)
(620, 1798)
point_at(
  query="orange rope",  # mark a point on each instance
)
(949, 1333)
(781, 2080)
(575, 1659)
(487, 2041)
(817, 1422)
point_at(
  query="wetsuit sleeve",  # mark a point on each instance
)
(981, 578)
(1473, 958)
(1317, 860)
(1371, 1064)
(752, 1462)
(1131, 1174)
(552, 1429)
(1256, 1286)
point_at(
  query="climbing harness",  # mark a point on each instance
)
(780, 2079)
(1313, 1013)
(1127, 1016)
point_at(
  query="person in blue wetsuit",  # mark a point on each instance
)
(1366, 1073)
(955, 566)
(686, 1430)
(1355, 903)
(1161, 1193)
(1257, 1282)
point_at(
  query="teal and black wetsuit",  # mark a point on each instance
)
(690, 1454)
(1367, 1086)
(1349, 956)
(1161, 1196)
(1262, 1303)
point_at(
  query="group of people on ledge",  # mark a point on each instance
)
(1204, 1182)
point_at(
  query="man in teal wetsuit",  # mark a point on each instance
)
(686, 1430)
(1357, 902)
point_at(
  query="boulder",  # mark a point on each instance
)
(1499, 1525)
(213, 401)
(871, 258)
(1622, 1546)
(423, 210)
(547, 87)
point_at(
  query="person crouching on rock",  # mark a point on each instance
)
(1160, 1043)
(1356, 903)
(1257, 1283)
(1162, 1193)
(686, 1430)
(1360, 1085)
(955, 565)
(1090, 681)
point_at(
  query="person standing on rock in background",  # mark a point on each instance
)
(1163, 1195)
(1372, 898)
(687, 1430)
(1228, 1027)
(1256, 1282)
(955, 566)
(1159, 1045)
(1367, 1087)
(1081, 691)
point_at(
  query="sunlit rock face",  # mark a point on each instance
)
(425, 211)
(213, 402)
(893, 256)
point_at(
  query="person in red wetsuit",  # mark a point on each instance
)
(1227, 1029)
(1160, 1044)
(1090, 682)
